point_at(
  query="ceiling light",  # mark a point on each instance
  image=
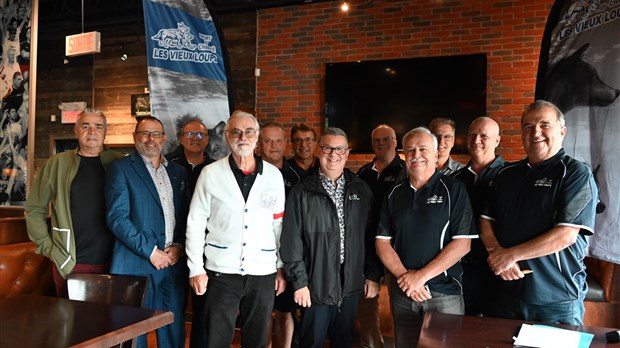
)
(345, 6)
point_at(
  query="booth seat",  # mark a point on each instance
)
(602, 301)
(22, 271)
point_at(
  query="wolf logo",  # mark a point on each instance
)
(582, 9)
(572, 82)
(180, 38)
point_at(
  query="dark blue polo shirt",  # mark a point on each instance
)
(379, 184)
(478, 188)
(420, 223)
(527, 201)
(289, 176)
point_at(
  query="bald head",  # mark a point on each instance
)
(383, 139)
(482, 140)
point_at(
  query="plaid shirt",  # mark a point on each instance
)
(164, 190)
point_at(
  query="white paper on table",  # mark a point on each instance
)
(542, 337)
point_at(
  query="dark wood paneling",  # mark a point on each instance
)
(106, 82)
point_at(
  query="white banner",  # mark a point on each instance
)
(579, 71)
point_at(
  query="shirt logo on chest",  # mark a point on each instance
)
(434, 199)
(390, 178)
(544, 182)
(354, 197)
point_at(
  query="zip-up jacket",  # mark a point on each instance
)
(310, 241)
(53, 185)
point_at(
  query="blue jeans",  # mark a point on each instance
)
(251, 296)
(567, 312)
(408, 314)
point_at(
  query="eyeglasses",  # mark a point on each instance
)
(155, 134)
(303, 140)
(249, 133)
(339, 150)
(382, 140)
(198, 135)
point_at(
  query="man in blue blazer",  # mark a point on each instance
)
(146, 210)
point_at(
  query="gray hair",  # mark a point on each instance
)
(91, 111)
(336, 132)
(541, 104)
(421, 130)
(240, 114)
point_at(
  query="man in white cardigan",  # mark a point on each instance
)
(239, 202)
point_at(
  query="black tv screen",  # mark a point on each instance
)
(404, 93)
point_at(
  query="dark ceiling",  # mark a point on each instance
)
(59, 18)
(66, 15)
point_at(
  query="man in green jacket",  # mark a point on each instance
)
(78, 240)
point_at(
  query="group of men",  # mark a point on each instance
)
(255, 232)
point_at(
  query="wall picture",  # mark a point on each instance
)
(141, 105)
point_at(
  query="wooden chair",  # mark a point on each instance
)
(108, 289)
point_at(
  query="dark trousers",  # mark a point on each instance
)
(250, 296)
(337, 323)
(479, 288)
(198, 336)
(166, 290)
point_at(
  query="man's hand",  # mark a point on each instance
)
(501, 259)
(199, 283)
(371, 289)
(302, 297)
(280, 281)
(175, 252)
(512, 273)
(412, 284)
(160, 259)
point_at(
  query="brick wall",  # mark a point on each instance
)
(295, 43)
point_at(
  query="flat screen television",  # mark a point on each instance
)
(404, 93)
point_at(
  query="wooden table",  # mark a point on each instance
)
(38, 321)
(448, 330)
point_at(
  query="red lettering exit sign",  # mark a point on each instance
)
(84, 43)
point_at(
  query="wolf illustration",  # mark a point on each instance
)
(572, 82)
(180, 38)
(217, 147)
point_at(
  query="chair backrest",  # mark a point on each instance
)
(108, 289)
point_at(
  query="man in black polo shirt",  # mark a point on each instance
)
(303, 139)
(423, 233)
(479, 282)
(271, 146)
(380, 174)
(539, 212)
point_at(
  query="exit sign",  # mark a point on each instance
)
(85, 43)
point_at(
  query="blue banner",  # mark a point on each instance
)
(186, 68)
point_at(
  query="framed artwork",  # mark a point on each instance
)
(140, 104)
(17, 95)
